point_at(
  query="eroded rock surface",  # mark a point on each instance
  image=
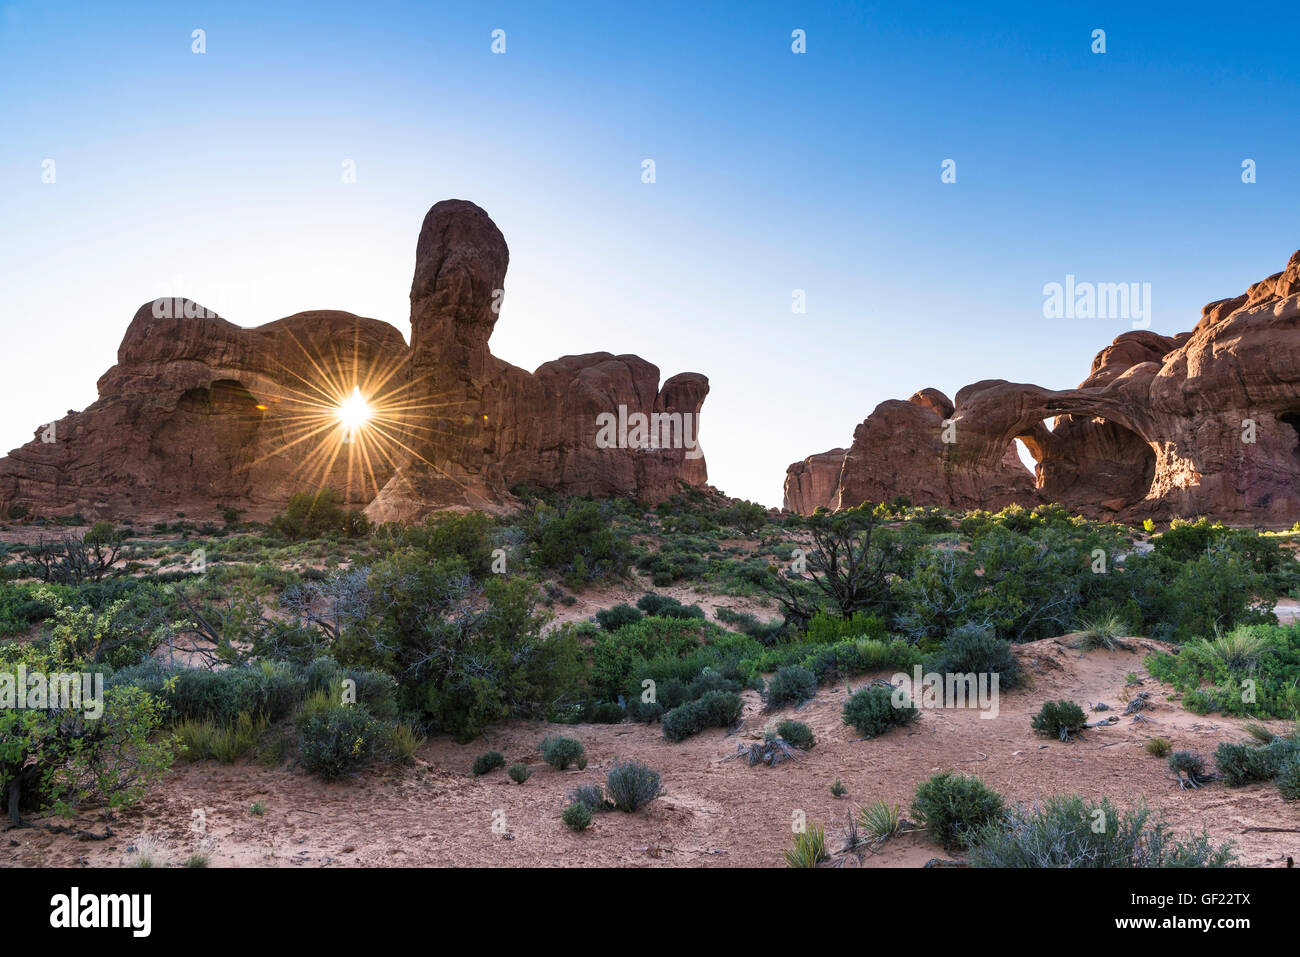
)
(1206, 422)
(199, 412)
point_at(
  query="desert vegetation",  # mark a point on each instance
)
(328, 648)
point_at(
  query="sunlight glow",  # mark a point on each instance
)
(355, 411)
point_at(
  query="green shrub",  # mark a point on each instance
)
(465, 654)
(872, 710)
(613, 654)
(313, 515)
(715, 709)
(271, 689)
(1241, 764)
(1288, 778)
(1158, 747)
(339, 740)
(792, 684)
(797, 734)
(1189, 763)
(443, 535)
(951, 805)
(519, 772)
(721, 709)
(578, 540)
(577, 816)
(1059, 719)
(825, 628)
(1069, 831)
(592, 796)
(603, 712)
(612, 619)
(488, 761)
(403, 741)
(631, 785)
(663, 606)
(858, 655)
(976, 649)
(205, 739)
(560, 752)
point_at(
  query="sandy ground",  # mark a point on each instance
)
(597, 597)
(714, 811)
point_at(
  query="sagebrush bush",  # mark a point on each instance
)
(339, 740)
(577, 816)
(1063, 832)
(721, 709)
(952, 805)
(797, 734)
(592, 796)
(976, 649)
(1288, 778)
(612, 619)
(1241, 764)
(792, 684)
(631, 785)
(663, 606)
(271, 689)
(873, 712)
(519, 772)
(1189, 763)
(560, 752)
(1059, 719)
(714, 709)
(488, 761)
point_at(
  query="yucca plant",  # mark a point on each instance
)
(878, 819)
(1100, 631)
(403, 742)
(1238, 650)
(809, 847)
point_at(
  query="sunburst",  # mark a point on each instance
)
(370, 414)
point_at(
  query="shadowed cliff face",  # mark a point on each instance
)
(199, 412)
(1202, 423)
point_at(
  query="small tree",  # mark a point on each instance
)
(849, 566)
(59, 757)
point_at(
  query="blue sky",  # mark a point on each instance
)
(217, 176)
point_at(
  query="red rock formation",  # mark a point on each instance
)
(199, 412)
(1203, 423)
(814, 483)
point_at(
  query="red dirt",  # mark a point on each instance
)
(714, 812)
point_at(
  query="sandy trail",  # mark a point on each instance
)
(715, 811)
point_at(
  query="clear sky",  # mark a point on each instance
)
(218, 176)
